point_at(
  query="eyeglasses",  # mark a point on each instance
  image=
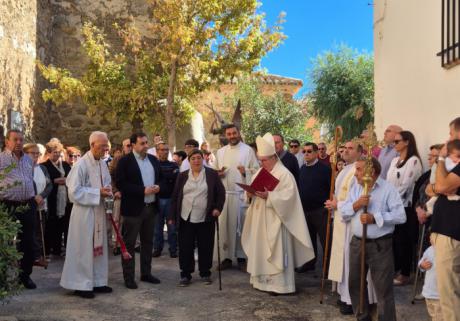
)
(397, 141)
(128, 145)
(74, 156)
(308, 151)
(293, 146)
(321, 148)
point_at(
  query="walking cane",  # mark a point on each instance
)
(338, 136)
(40, 218)
(417, 273)
(218, 254)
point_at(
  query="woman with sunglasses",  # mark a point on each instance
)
(404, 171)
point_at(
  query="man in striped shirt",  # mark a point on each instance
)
(17, 195)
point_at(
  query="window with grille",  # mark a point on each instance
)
(450, 33)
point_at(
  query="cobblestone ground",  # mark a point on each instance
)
(166, 301)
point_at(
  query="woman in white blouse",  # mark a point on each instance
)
(196, 202)
(403, 173)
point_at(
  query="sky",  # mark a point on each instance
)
(315, 26)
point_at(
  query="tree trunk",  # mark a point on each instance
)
(137, 124)
(170, 119)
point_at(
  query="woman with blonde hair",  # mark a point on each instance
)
(57, 223)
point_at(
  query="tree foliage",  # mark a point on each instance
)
(189, 46)
(9, 255)
(343, 90)
(263, 113)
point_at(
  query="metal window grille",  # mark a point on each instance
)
(450, 33)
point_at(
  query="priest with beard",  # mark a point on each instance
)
(275, 235)
(86, 264)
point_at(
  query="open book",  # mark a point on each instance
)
(264, 180)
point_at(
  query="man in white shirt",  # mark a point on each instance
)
(384, 210)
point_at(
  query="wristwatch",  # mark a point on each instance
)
(441, 159)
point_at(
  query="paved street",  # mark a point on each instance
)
(237, 301)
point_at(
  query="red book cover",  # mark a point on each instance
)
(264, 180)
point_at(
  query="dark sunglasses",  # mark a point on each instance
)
(321, 148)
(397, 141)
(308, 151)
(293, 146)
(74, 155)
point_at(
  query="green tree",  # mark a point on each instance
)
(262, 113)
(190, 45)
(343, 90)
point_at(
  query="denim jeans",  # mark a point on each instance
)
(161, 219)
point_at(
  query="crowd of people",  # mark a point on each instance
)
(271, 233)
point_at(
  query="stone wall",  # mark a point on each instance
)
(18, 34)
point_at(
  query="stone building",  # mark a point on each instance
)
(49, 30)
(416, 80)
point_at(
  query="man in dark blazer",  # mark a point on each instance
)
(137, 177)
(289, 161)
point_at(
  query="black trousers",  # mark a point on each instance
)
(26, 215)
(190, 234)
(38, 243)
(142, 225)
(317, 225)
(57, 228)
(404, 240)
(379, 260)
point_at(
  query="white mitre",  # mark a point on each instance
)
(265, 145)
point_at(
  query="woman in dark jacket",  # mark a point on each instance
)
(196, 202)
(57, 223)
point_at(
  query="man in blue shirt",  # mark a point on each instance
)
(384, 210)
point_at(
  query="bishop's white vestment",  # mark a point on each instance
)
(86, 262)
(275, 236)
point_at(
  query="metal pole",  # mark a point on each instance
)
(218, 254)
(417, 273)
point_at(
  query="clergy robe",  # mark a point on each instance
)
(82, 269)
(231, 220)
(341, 237)
(275, 236)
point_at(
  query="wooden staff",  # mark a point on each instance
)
(40, 217)
(419, 255)
(337, 137)
(218, 254)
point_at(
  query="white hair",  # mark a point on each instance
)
(96, 135)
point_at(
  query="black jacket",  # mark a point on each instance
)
(292, 164)
(54, 173)
(216, 195)
(129, 181)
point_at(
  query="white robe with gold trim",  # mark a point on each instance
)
(82, 270)
(275, 236)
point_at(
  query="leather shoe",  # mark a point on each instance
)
(346, 309)
(102, 289)
(85, 294)
(28, 283)
(226, 264)
(150, 278)
(305, 268)
(156, 253)
(131, 284)
(173, 255)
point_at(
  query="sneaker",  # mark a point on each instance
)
(102, 289)
(156, 253)
(206, 280)
(184, 282)
(419, 297)
(85, 294)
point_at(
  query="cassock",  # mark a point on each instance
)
(231, 220)
(275, 234)
(341, 237)
(86, 262)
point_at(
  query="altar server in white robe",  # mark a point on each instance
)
(86, 263)
(341, 236)
(235, 163)
(275, 234)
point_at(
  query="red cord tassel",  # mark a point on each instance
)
(124, 252)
